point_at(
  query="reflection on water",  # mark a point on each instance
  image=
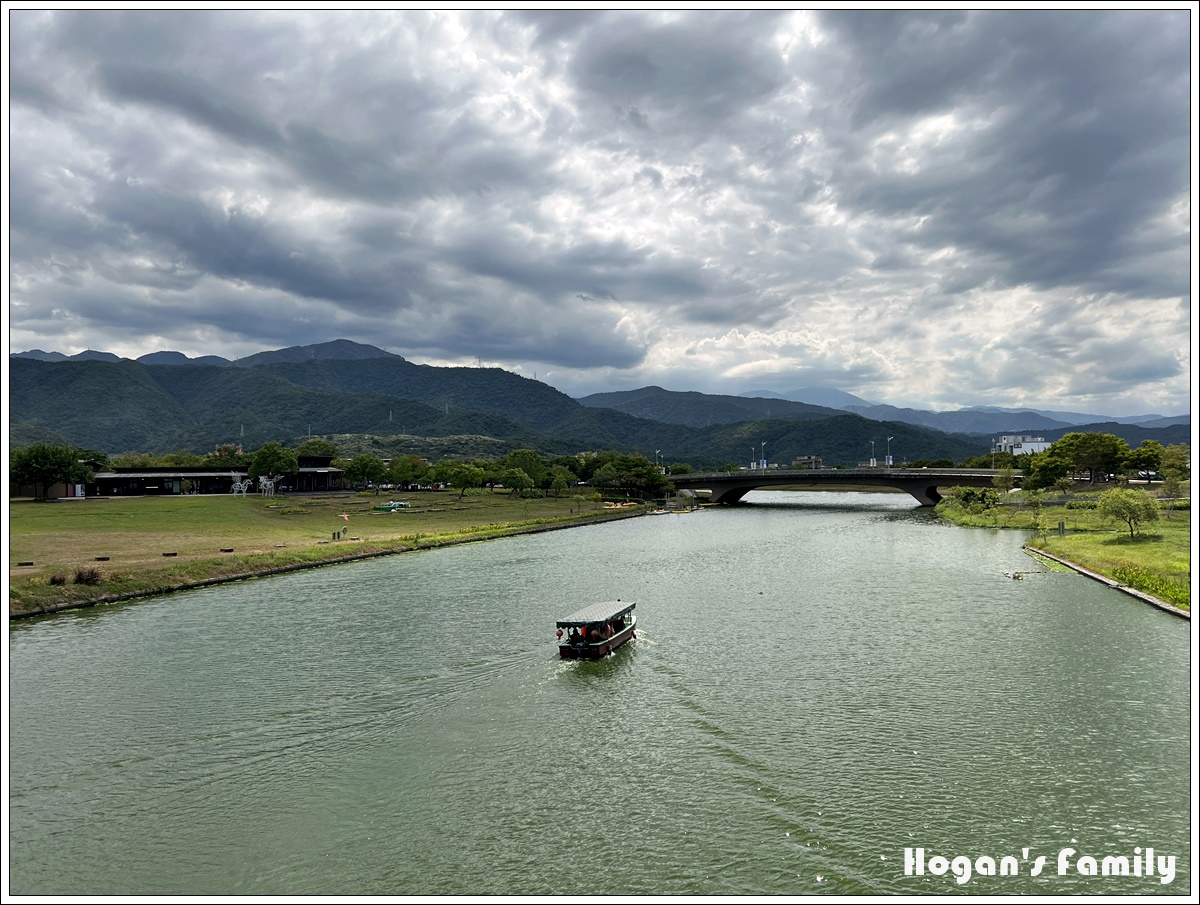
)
(819, 682)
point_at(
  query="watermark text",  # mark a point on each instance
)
(1140, 863)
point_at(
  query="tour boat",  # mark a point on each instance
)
(596, 630)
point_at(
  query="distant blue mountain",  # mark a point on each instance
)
(89, 355)
(92, 355)
(39, 355)
(335, 350)
(178, 359)
(1084, 418)
(704, 410)
(824, 396)
(964, 421)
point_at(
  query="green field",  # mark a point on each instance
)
(65, 540)
(1157, 560)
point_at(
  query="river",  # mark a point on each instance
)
(821, 684)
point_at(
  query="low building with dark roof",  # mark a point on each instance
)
(315, 474)
(166, 480)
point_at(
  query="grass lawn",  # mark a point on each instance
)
(262, 533)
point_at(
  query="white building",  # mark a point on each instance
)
(1020, 444)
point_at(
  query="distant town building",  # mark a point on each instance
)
(807, 462)
(1020, 444)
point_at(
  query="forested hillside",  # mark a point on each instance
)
(351, 390)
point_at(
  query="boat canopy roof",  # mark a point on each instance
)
(596, 612)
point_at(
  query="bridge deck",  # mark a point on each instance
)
(921, 483)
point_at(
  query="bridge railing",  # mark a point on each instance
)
(846, 472)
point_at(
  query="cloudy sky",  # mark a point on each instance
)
(930, 208)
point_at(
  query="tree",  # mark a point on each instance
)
(1133, 507)
(317, 446)
(181, 458)
(1005, 480)
(999, 459)
(516, 481)
(634, 475)
(528, 461)
(47, 464)
(1172, 489)
(408, 470)
(134, 460)
(561, 479)
(463, 475)
(1098, 454)
(1177, 457)
(229, 455)
(273, 460)
(365, 468)
(973, 499)
(1044, 469)
(1147, 457)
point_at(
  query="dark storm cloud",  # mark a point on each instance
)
(553, 25)
(965, 207)
(678, 75)
(189, 96)
(239, 245)
(394, 166)
(1082, 112)
(608, 271)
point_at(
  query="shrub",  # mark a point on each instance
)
(975, 499)
(87, 575)
(1175, 592)
(58, 579)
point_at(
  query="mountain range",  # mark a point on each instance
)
(377, 400)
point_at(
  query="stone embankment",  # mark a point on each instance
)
(1116, 585)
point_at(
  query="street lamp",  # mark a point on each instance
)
(889, 452)
(761, 460)
(872, 453)
(753, 464)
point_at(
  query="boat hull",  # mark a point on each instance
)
(598, 650)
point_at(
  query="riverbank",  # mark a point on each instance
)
(80, 554)
(1112, 583)
(1154, 565)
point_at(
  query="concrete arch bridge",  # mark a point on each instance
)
(922, 483)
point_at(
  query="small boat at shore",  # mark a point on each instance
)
(596, 630)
